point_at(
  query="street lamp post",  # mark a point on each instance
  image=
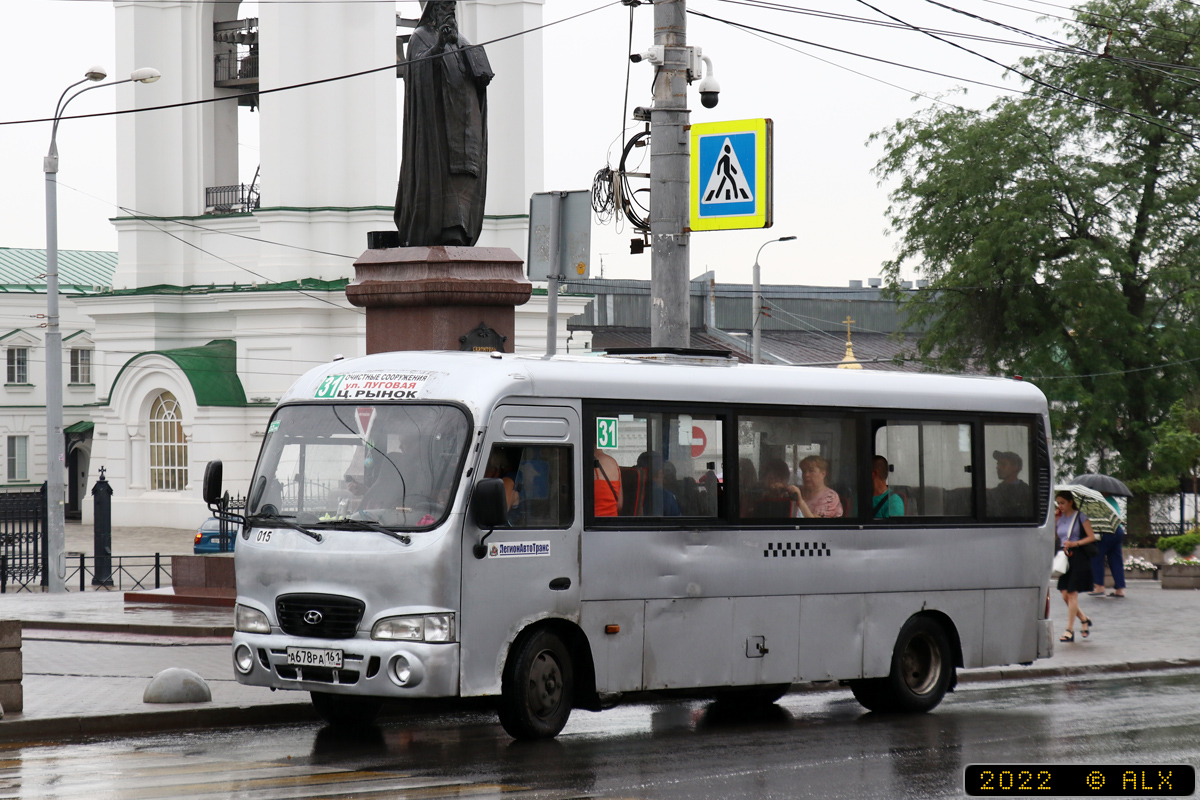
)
(55, 457)
(756, 320)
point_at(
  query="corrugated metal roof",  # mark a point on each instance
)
(82, 270)
(874, 351)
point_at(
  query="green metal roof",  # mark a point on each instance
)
(303, 284)
(211, 370)
(79, 427)
(23, 269)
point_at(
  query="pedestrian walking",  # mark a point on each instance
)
(1109, 550)
(1076, 537)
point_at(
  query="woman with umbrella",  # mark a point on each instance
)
(1074, 535)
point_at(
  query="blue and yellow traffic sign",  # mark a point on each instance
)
(732, 175)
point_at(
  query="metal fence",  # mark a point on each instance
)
(236, 199)
(23, 527)
(129, 573)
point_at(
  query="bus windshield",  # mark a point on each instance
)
(394, 465)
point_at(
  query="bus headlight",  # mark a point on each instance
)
(415, 628)
(243, 659)
(250, 620)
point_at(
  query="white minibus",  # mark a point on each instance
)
(564, 532)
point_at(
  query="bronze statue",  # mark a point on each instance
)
(443, 171)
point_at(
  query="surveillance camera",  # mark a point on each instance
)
(709, 91)
(635, 57)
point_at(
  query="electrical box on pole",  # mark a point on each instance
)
(560, 244)
(574, 235)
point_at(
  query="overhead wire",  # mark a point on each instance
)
(1034, 79)
(262, 277)
(304, 84)
(843, 51)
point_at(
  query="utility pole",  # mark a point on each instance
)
(670, 208)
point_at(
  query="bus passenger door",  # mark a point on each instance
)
(531, 567)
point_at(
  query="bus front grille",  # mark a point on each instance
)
(319, 616)
(340, 677)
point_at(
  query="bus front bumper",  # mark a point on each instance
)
(368, 667)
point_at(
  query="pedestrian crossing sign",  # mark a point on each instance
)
(731, 175)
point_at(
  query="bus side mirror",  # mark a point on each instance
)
(489, 508)
(212, 482)
(489, 503)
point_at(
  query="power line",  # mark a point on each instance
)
(744, 26)
(245, 269)
(1032, 78)
(290, 87)
(771, 6)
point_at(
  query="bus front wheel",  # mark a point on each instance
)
(537, 688)
(921, 673)
(346, 710)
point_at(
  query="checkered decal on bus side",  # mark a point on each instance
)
(794, 549)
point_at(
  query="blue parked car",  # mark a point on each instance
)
(208, 537)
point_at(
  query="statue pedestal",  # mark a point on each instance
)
(427, 298)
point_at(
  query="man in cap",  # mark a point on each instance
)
(1011, 497)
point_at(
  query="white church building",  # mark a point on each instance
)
(221, 294)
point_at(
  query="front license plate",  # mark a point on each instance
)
(309, 657)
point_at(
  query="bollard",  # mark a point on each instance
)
(102, 539)
(223, 530)
(3, 573)
(157, 574)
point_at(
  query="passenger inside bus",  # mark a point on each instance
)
(817, 499)
(778, 497)
(502, 464)
(607, 490)
(885, 503)
(658, 501)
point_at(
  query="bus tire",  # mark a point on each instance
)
(346, 710)
(537, 687)
(922, 668)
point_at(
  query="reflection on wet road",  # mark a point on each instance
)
(818, 744)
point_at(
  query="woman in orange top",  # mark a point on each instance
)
(607, 492)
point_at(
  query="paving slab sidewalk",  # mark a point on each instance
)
(89, 656)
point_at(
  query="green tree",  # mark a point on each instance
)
(1061, 237)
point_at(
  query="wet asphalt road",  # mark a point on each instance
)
(818, 744)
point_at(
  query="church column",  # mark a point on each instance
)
(515, 129)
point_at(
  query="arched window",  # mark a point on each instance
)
(168, 447)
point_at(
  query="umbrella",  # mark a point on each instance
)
(1092, 503)
(1105, 484)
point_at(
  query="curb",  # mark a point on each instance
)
(167, 720)
(1117, 667)
(219, 631)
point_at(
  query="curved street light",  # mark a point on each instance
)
(756, 323)
(55, 536)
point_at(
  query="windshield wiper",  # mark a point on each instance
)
(366, 524)
(287, 523)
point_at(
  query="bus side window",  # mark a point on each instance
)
(538, 483)
(668, 463)
(1007, 448)
(929, 468)
(796, 467)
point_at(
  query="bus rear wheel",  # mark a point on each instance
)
(921, 673)
(346, 710)
(537, 688)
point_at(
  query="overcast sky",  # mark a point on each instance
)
(824, 105)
